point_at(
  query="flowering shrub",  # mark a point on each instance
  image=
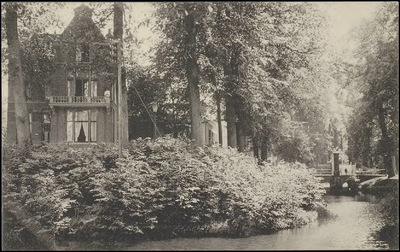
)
(158, 188)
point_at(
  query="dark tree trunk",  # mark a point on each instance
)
(220, 141)
(231, 121)
(256, 146)
(16, 81)
(264, 149)
(218, 101)
(197, 129)
(241, 137)
(396, 122)
(118, 20)
(255, 149)
(231, 71)
(118, 34)
(193, 76)
(386, 144)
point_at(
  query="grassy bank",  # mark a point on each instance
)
(159, 189)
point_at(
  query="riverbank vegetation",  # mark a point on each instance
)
(375, 77)
(386, 190)
(159, 189)
(390, 208)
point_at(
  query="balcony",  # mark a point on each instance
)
(79, 101)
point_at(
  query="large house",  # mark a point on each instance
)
(79, 104)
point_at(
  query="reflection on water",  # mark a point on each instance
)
(354, 227)
(358, 219)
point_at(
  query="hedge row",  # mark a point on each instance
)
(159, 189)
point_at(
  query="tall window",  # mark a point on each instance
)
(81, 87)
(82, 53)
(82, 126)
(210, 137)
(93, 88)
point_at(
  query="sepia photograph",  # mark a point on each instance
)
(200, 126)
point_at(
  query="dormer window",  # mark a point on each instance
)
(82, 53)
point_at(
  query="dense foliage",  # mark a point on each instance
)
(158, 189)
(259, 61)
(389, 206)
(377, 74)
(386, 191)
(172, 116)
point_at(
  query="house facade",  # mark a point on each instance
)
(78, 104)
(211, 133)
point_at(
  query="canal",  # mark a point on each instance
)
(358, 220)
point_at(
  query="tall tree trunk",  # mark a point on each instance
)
(255, 149)
(220, 139)
(256, 146)
(197, 128)
(231, 121)
(386, 143)
(241, 137)
(193, 76)
(396, 120)
(264, 149)
(218, 101)
(118, 20)
(118, 34)
(231, 71)
(16, 81)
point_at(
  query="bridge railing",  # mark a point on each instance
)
(326, 169)
(320, 172)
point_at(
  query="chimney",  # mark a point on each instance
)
(109, 34)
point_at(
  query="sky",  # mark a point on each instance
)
(342, 16)
(346, 15)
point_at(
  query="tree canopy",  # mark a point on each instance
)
(264, 68)
(376, 71)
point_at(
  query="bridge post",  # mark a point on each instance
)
(336, 185)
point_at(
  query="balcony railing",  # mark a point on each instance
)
(79, 101)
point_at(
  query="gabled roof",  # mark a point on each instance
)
(82, 28)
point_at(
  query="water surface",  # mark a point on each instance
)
(358, 220)
(354, 228)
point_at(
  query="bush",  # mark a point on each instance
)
(158, 189)
(389, 208)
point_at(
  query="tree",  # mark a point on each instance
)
(33, 21)
(179, 52)
(377, 68)
(246, 53)
(171, 96)
(276, 50)
(16, 81)
(118, 34)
